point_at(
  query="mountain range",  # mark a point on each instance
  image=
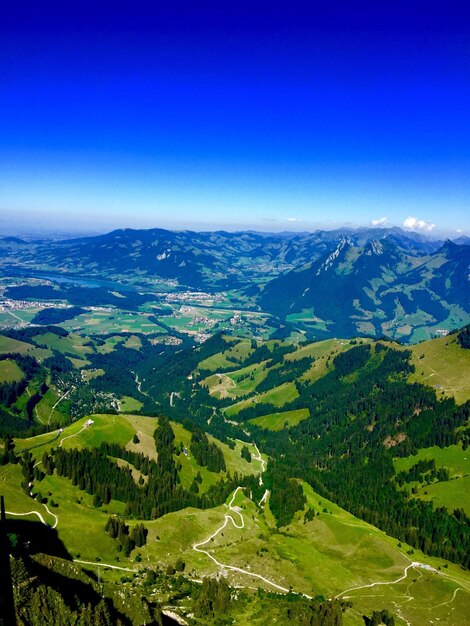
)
(377, 288)
(377, 281)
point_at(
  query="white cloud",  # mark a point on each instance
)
(292, 219)
(383, 221)
(413, 223)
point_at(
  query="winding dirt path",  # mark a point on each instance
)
(451, 600)
(59, 400)
(74, 434)
(241, 525)
(56, 517)
(231, 383)
(413, 564)
(42, 520)
(28, 513)
(123, 569)
(229, 517)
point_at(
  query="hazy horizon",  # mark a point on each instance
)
(53, 231)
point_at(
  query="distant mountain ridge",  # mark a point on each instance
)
(341, 282)
(377, 288)
(216, 259)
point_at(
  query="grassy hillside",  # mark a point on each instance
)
(234, 353)
(444, 365)
(72, 344)
(241, 383)
(10, 371)
(7, 344)
(278, 396)
(451, 494)
(334, 555)
(120, 429)
(278, 421)
(330, 552)
(329, 555)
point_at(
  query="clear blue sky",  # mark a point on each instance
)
(262, 114)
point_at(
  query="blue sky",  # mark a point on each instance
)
(235, 115)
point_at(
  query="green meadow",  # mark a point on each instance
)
(278, 396)
(129, 404)
(451, 494)
(240, 382)
(444, 365)
(111, 321)
(278, 421)
(454, 458)
(239, 352)
(72, 344)
(12, 345)
(10, 372)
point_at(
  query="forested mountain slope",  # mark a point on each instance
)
(379, 288)
(275, 450)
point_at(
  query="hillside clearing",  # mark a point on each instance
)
(278, 421)
(444, 365)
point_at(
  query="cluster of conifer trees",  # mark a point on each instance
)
(423, 471)
(126, 541)
(213, 598)
(287, 371)
(93, 471)
(287, 495)
(463, 337)
(206, 453)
